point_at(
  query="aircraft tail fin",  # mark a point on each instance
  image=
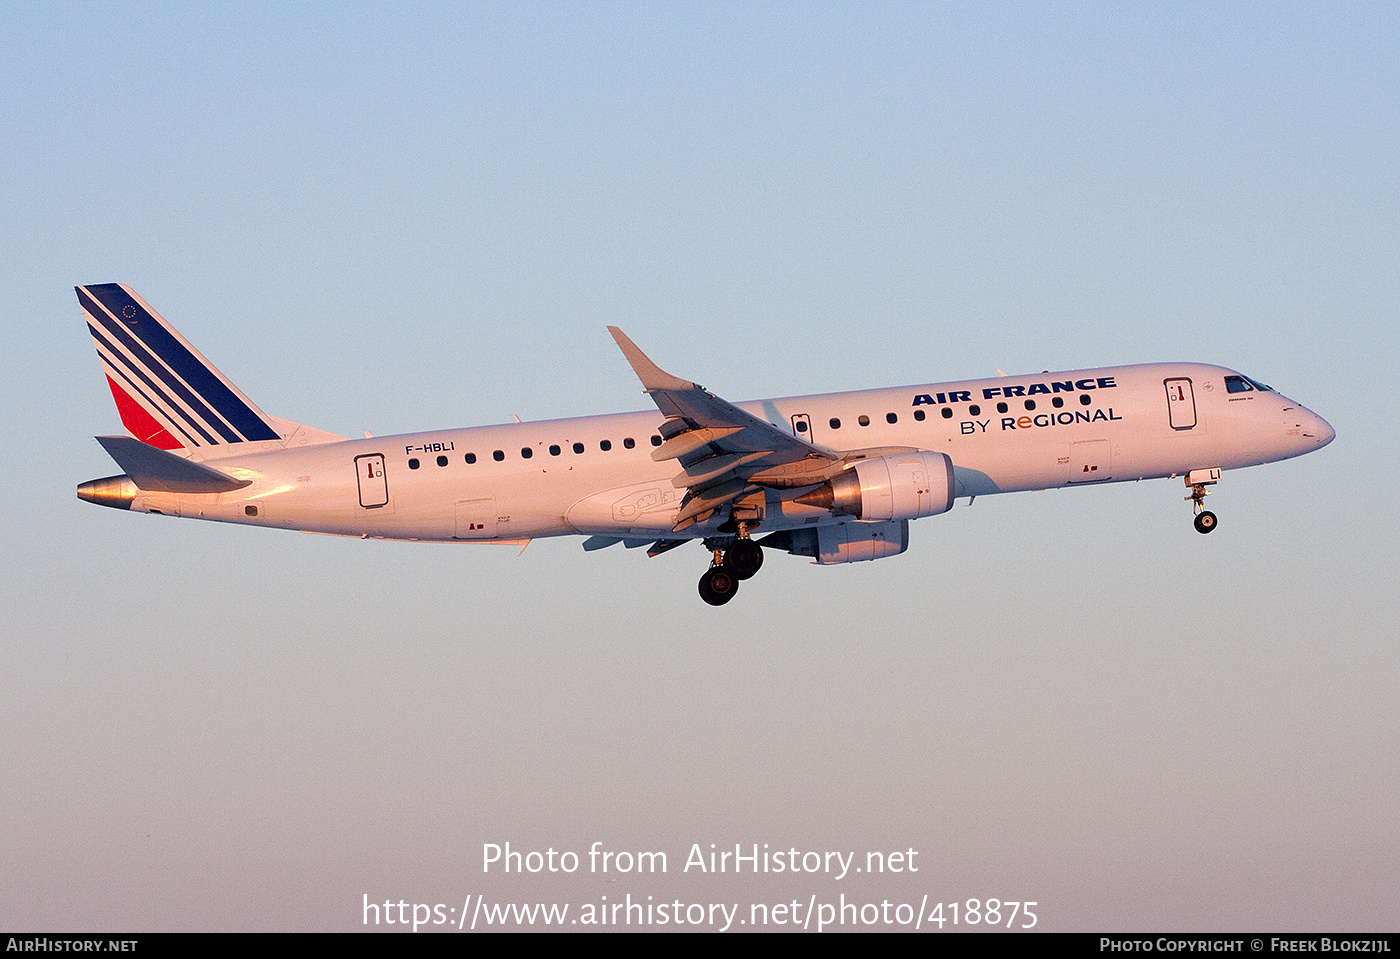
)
(169, 396)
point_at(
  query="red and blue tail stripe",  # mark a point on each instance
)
(168, 395)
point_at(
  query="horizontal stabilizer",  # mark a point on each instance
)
(155, 469)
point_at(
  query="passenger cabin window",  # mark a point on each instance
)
(891, 418)
(499, 455)
(1085, 399)
(628, 443)
(801, 426)
(1030, 404)
(835, 423)
(578, 447)
(605, 445)
(526, 452)
(864, 420)
(974, 410)
(413, 464)
(555, 450)
(1058, 402)
(947, 412)
(1002, 407)
(655, 440)
(442, 461)
(471, 457)
(919, 415)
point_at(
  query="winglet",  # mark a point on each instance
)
(652, 376)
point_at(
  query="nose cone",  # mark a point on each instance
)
(1321, 431)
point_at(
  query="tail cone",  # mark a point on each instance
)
(114, 491)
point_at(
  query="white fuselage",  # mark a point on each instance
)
(1112, 424)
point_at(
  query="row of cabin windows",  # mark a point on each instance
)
(526, 452)
(947, 412)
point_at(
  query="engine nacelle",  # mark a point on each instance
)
(858, 542)
(850, 542)
(897, 487)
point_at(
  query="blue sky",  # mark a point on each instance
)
(423, 216)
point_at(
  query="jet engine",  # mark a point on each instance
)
(896, 487)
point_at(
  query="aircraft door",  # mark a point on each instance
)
(374, 488)
(1181, 403)
(476, 519)
(1091, 462)
(802, 427)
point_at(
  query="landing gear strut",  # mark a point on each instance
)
(734, 560)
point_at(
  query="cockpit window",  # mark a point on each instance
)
(1243, 384)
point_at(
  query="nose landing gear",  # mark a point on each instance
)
(1197, 481)
(1205, 521)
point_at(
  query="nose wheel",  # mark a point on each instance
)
(1205, 521)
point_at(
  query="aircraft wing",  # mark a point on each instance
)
(725, 453)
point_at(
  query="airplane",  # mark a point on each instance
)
(835, 477)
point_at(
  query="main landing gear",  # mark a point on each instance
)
(1197, 481)
(744, 558)
(718, 585)
(735, 559)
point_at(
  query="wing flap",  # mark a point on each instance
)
(688, 441)
(700, 503)
(701, 473)
(665, 545)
